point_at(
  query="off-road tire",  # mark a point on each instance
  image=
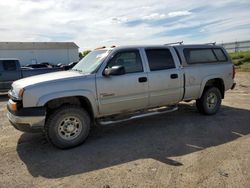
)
(203, 105)
(53, 122)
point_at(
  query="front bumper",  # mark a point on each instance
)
(27, 119)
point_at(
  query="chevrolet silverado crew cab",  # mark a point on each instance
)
(116, 84)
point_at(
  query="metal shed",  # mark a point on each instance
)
(39, 52)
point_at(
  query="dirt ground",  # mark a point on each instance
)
(180, 149)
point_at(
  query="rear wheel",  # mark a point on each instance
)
(210, 101)
(67, 126)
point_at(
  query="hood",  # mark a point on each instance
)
(22, 83)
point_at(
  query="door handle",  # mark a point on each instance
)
(174, 76)
(142, 79)
(107, 94)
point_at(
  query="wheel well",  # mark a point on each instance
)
(217, 82)
(75, 100)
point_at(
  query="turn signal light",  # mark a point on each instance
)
(12, 105)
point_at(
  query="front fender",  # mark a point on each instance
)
(83, 93)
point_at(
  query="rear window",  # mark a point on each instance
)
(160, 59)
(9, 65)
(204, 55)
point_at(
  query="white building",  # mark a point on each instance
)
(39, 52)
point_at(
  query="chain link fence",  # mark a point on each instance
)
(237, 46)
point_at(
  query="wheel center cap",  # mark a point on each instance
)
(212, 101)
(70, 128)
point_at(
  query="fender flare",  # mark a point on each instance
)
(206, 79)
(72, 93)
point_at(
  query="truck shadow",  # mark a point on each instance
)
(159, 137)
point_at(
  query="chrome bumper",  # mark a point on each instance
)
(26, 123)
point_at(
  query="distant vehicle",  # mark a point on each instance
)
(10, 70)
(69, 66)
(49, 65)
(72, 64)
(59, 65)
(46, 63)
(119, 84)
(36, 66)
(41, 65)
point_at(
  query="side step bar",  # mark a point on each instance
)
(151, 112)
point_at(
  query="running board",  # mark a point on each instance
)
(151, 112)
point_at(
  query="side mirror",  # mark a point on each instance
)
(115, 70)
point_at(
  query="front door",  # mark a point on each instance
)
(123, 93)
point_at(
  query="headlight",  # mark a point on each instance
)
(16, 96)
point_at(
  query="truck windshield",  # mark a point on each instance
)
(91, 62)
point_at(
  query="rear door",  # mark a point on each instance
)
(10, 73)
(123, 93)
(165, 76)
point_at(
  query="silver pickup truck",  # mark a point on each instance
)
(117, 84)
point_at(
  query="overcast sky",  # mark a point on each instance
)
(95, 23)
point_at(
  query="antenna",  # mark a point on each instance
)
(178, 42)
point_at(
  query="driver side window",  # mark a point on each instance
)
(130, 60)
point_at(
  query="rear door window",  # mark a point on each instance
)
(160, 59)
(9, 65)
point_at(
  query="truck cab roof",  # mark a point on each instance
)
(179, 46)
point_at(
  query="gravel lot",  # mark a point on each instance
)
(179, 149)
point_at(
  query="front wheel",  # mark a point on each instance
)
(210, 101)
(67, 126)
